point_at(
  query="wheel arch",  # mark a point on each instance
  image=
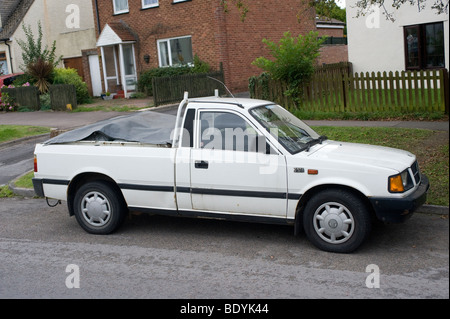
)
(319, 188)
(84, 178)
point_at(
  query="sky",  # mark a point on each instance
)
(340, 3)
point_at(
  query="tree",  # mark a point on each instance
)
(323, 7)
(38, 62)
(327, 7)
(32, 49)
(293, 60)
(365, 6)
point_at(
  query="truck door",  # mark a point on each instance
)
(231, 170)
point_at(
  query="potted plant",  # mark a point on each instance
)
(107, 96)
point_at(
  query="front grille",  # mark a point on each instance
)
(416, 172)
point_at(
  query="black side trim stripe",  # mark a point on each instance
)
(223, 192)
(294, 196)
(183, 189)
(147, 188)
(55, 181)
(209, 191)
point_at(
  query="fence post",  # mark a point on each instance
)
(446, 89)
(345, 90)
(26, 96)
(61, 95)
(155, 92)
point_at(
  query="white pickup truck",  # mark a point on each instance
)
(226, 158)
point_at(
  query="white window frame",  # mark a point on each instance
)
(153, 5)
(120, 11)
(176, 1)
(169, 51)
(4, 62)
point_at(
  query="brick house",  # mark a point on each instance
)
(137, 35)
(335, 49)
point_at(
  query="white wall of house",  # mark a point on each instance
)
(70, 23)
(377, 44)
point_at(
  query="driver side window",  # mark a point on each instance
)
(226, 131)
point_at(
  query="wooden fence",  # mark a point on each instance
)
(63, 97)
(24, 96)
(410, 91)
(171, 89)
(28, 96)
(334, 68)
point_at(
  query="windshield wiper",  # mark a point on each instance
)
(313, 142)
(322, 138)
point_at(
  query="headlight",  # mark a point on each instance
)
(401, 182)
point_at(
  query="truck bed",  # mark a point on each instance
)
(143, 127)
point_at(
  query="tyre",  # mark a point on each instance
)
(99, 208)
(336, 220)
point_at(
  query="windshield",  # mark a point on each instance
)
(292, 133)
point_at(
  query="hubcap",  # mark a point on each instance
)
(334, 223)
(96, 209)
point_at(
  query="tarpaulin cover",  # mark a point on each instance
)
(143, 127)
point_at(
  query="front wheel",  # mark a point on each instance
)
(336, 221)
(98, 208)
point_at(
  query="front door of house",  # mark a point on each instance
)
(129, 67)
(96, 79)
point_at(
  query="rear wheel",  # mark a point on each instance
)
(337, 221)
(99, 208)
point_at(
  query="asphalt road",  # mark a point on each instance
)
(165, 257)
(17, 159)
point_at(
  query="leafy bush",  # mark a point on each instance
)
(32, 49)
(45, 101)
(145, 78)
(41, 71)
(23, 79)
(7, 103)
(38, 61)
(293, 60)
(200, 66)
(70, 76)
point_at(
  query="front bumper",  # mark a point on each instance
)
(397, 210)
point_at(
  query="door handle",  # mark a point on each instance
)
(201, 164)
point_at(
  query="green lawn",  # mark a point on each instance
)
(12, 132)
(25, 181)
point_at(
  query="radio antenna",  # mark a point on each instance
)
(229, 92)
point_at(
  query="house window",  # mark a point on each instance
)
(424, 46)
(149, 4)
(3, 64)
(176, 1)
(175, 52)
(120, 6)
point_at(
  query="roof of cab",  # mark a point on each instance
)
(244, 103)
